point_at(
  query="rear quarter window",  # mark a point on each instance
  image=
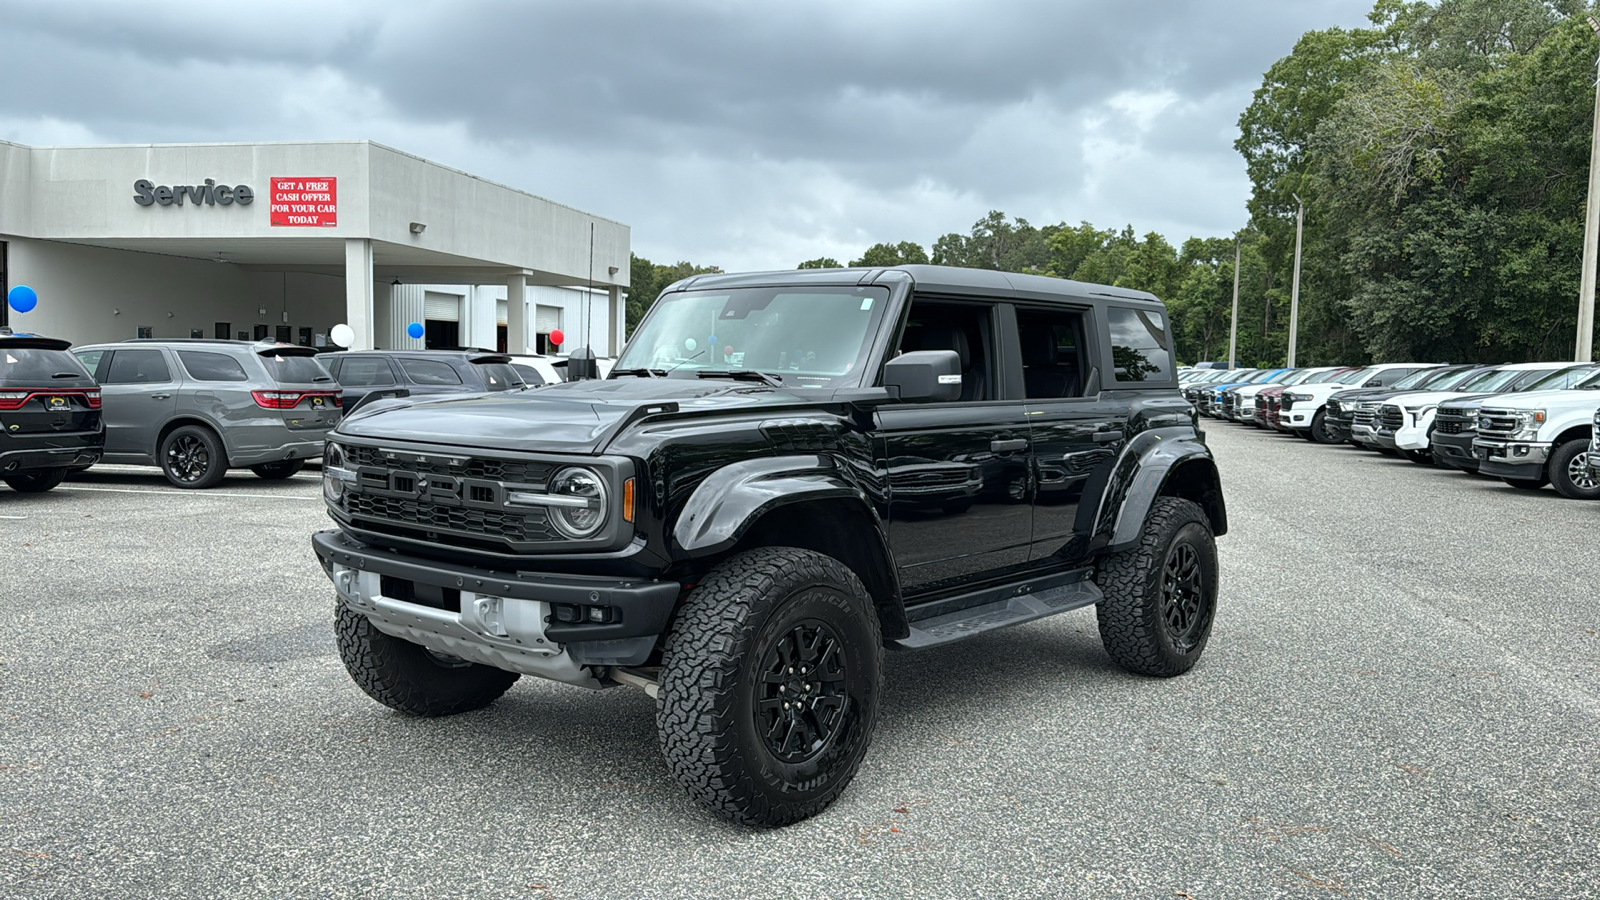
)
(358, 372)
(203, 366)
(1139, 346)
(34, 366)
(427, 371)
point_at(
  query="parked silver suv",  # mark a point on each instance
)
(197, 408)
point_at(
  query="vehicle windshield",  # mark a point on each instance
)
(1354, 376)
(1416, 379)
(35, 367)
(1332, 375)
(812, 337)
(1297, 376)
(1558, 380)
(1264, 377)
(1492, 381)
(1592, 383)
(1449, 380)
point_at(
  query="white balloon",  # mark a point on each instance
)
(690, 343)
(343, 335)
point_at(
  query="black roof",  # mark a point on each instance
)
(35, 341)
(929, 279)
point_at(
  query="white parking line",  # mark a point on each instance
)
(13, 517)
(106, 490)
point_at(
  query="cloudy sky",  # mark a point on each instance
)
(742, 134)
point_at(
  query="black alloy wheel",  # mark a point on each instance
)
(192, 457)
(1160, 595)
(1183, 598)
(801, 700)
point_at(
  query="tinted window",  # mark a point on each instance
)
(1138, 345)
(296, 369)
(1050, 353)
(426, 371)
(32, 366)
(1489, 381)
(1546, 380)
(529, 374)
(203, 366)
(498, 376)
(138, 367)
(89, 358)
(358, 372)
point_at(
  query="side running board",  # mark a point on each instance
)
(1026, 603)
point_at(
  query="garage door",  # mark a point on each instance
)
(441, 307)
(546, 319)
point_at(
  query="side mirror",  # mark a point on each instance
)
(924, 376)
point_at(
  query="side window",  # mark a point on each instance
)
(358, 372)
(427, 371)
(966, 328)
(530, 375)
(1052, 359)
(203, 366)
(1138, 345)
(138, 367)
(90, 359)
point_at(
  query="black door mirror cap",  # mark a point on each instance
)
(924, 376)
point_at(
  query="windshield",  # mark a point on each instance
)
(1332, 375)
(1298, 376)
(36, 367)
(1354, 376)
(1416, 379)
(1492, 381)
(1449, 380)
(1592, 383)
(1268, 375)
(1558, 380)
(815, 337)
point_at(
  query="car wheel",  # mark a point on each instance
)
(279, 470)
(192, 457)
(1526, 484)
(35, 481)
(769, 685)
(1569, 471)
(411, 678)
(1420, 457)
(1161, 596)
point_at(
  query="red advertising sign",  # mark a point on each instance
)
(305, 202)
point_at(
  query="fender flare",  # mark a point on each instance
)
(724, 506)
(1144, 471)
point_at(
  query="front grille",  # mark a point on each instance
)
(1334, 409)
(1454, 421)
(1391, 417)
(1498, 423)
(1286, 404)
(427, 516)
(1364, 417)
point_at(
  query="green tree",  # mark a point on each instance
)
(647, 280)
(904, 253)
(821, 262)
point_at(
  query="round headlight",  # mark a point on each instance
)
(578, 520)
(332, 467)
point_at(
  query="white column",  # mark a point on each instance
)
(516, 314)
(383, 316)
(618, 310)
(358, 291)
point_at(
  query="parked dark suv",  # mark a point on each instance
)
(199, 407)
(785, 474)
(49, 412)
(420, 372)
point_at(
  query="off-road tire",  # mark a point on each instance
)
(278, 471)
(192, 457)
(714, 677)
(1135, 625)
(1527, 484)
(1569, 471)
(1319, 428)
(35, 481)
(406, 677)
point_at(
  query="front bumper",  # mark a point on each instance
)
(1455, 450)
(1510, 459)
(1384, 439)
(508, 620)
(1364, 435)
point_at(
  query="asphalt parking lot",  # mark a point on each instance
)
(1399, 700)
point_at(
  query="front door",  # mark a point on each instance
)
(960, 500)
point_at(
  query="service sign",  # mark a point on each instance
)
(305, 202)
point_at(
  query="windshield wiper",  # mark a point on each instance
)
(741, 375)
(641, 373)
(67, 375)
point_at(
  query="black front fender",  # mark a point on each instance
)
(1162, 461)
(734, 497)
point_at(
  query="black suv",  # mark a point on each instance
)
(420, 372)
(785, 474)
(49, 412)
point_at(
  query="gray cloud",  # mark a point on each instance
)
(742, 134)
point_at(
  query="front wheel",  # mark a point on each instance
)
(1569, 471)
(35, 481)
(192, 457)
(769, 685)
(1420, 457)
(278, 471)
(411, 678)
(1161, 595)
(1320, 432)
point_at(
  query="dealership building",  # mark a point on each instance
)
(287, 240)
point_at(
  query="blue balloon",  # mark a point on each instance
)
(22, 298)
(415, 329)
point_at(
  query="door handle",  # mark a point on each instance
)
(160, 396)
(1009, 445)
(1107, 437)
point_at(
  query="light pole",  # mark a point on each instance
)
(1591, 232)
(1233, 323)
(1294, 292)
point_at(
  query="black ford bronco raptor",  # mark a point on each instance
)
(785, 474)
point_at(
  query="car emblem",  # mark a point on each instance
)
(58, 402)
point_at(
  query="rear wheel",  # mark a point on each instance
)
(278, 471)
(35, 481)
(410, 678)
(1569, 471)
(1161, 596)
(769, 685)
(192, 457)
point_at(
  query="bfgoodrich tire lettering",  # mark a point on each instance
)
(752, 634)
(406, 677)
(1161, 595)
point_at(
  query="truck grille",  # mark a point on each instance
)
(1498, 423)
(433, 517)
(1391, 417)
(1454, 421)
(1364, 417)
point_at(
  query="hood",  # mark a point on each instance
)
(572, 417)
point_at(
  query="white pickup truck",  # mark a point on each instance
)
(1405, 422)
(1303, 404)
(1541, 437)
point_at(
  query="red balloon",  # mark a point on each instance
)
(557, 338)
(727, 349)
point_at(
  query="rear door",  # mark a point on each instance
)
(139, 393)
(359, 376)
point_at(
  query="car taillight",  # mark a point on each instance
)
(277, 399)
(13, 399)
(94, 399)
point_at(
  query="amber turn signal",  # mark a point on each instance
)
(627, 500)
